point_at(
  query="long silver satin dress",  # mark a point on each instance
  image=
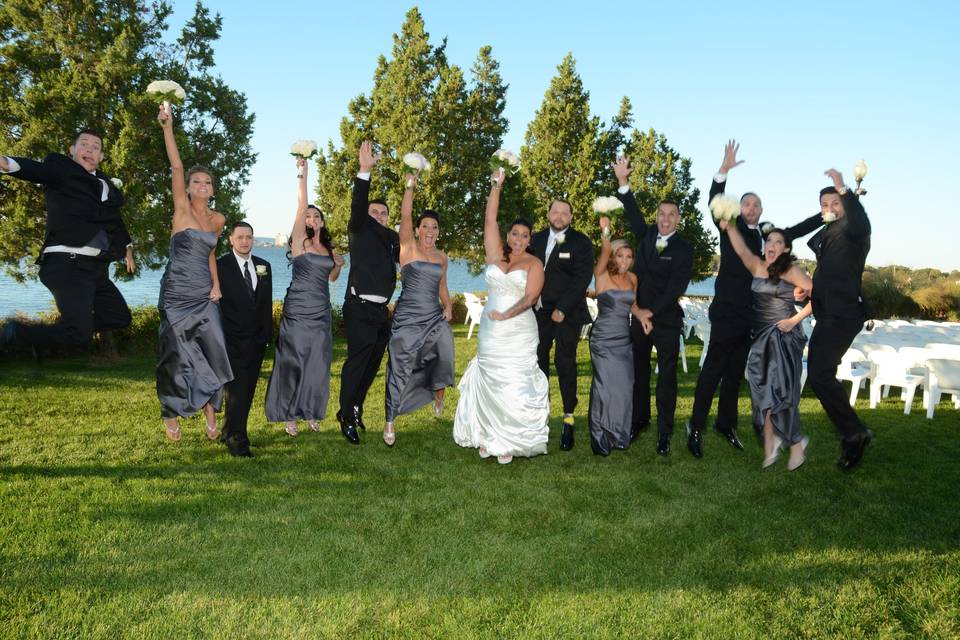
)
(611, 391)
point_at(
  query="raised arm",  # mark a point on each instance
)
(492, 242)
(601, 268)
(180, 200)
(299, 232)
(622, 169)
(718, 186)
(359, 207)
(407, 240)
(530, 295)
(753, 264)
(857, 225)
(46, 172)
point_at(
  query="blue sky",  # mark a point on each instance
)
(803, 87)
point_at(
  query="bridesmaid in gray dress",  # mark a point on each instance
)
(299, 386)
(192, 363)
(611, 348)
(420, 364)
(775, 362)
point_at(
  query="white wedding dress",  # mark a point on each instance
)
(504, 396)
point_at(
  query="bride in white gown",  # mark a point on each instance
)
(504, 396)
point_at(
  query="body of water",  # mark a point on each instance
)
(32, 297)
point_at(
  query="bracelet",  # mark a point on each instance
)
(842, 191)
(606, 232)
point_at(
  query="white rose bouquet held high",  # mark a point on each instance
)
(416, 162)
(724, 207)
(303, 150)
(506, 160)
(859, 173)
(166, 92)
(607, 204)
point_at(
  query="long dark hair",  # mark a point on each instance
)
(325, 238)
(784, 261)
(507, 250)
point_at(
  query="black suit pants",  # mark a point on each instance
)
(86, 299)
(368, 332)
(566, 335)
(246, 359)
(723, 366)
(830, 339)
(667, 342)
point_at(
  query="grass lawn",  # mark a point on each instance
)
(109, 531)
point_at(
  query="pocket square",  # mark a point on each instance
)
(666, 257)
(564, 255)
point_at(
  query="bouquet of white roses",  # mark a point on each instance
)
(303, 150)
(506, 160)
(416, 162)
(607, 204)
(166, 91)
(724, 207)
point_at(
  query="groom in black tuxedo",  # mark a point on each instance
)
(246, 283)
(841, 248)
(567, 257)
(374, 252)
(731, 315)
(84, 234)
(663, 264)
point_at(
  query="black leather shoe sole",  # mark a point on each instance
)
(730, 437)
(566, 438)
(853, 451)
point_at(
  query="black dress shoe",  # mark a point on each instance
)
(241, 453)
(663, 444)
(348, 429)
(358, 418)
(637, 429)
(694, 442)
(731, 436)
(566, 437)
(852, 453)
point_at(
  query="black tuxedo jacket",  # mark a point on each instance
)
(567, 274)
(731, 309)
(841, 248)
(245, 318)
(374, 249)
(76, 217)
(662, 277)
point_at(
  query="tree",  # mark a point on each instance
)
(69, 65)
(420, 102)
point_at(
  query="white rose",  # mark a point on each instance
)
(607, 204)
(724, 207)
(766, 228)
(117, 182)
(261, 269)
(416, 161)
(860, 171)
(303, 149)
(166, 90)
(661, 244)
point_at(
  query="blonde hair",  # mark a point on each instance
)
(615, 246)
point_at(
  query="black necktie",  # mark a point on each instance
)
(248, 277)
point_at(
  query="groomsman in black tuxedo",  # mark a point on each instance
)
(84, 234)
(841, 248)
(664, 264)
(374, 252)
(730, 315)
(246, 283)
(567, 257)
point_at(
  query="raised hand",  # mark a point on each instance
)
(368, 159)
(498, 176)
(410, 180)
(604, 223)
(730, 156)
(723, 224)
(165, 116)
(836, 176)
(4, 165)
(622, 169)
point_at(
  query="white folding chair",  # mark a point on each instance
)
(943, 376)
(894, 369)
(594, 310)
(474, 313)
(854, 367)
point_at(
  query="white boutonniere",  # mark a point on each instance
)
(261, 269)
(117, 182)
(561, 237)
(828, 217)
(661, 244)
(766, 228)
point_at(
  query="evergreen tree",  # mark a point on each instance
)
(69, 65)
(420, 102)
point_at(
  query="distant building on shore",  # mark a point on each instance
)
(280, 240)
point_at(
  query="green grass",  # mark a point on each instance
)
(107, 530)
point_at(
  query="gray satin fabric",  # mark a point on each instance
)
(421, 342)
(611, 392)
(192, 363)
(775, 362)
(299, 386)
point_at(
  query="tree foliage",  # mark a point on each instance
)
(69, 65)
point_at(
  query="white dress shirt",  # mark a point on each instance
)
(253, 268)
